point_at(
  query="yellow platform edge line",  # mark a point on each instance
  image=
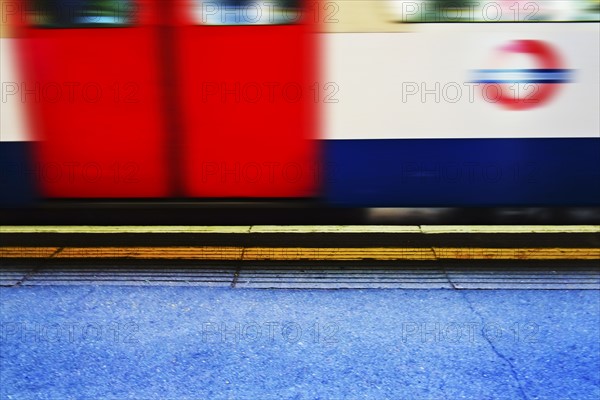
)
(302, 229)
(223, 253)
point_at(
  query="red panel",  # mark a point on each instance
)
(95, 94)
(249, 107)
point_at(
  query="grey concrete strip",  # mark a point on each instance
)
(525, 286)
(308, 278)
(342, 279)
(118, 276)
(12, 276)
(223, 284)
(341, 285)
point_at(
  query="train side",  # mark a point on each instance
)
(355, 103)
(465, 114)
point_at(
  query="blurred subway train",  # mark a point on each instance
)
(428, 104)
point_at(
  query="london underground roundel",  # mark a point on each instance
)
(523, 88)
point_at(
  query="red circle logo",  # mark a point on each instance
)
(525, 88)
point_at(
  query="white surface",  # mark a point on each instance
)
(371, 71)
(13, 127)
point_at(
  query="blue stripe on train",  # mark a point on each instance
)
(17, 176)
(463, 172)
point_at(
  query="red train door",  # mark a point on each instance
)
(248, 94)
(93, 80)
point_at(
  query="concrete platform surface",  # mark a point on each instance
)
(177, 342)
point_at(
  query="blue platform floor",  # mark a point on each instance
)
(153, 342)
